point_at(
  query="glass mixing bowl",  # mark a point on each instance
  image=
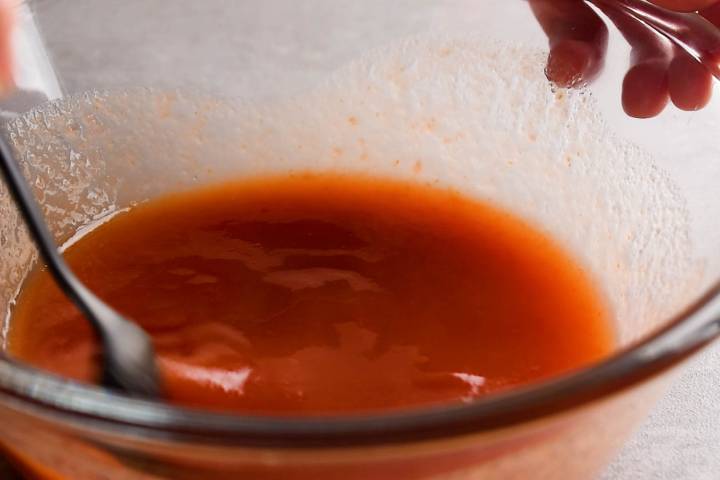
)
(158, 96)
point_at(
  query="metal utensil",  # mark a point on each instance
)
(128, 357)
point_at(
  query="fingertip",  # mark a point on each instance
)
(645, 89)
(689, 83)
(572, 63)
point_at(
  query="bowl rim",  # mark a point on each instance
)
(59, 400)
(29, 390)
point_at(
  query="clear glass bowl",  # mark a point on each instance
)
(161, 96)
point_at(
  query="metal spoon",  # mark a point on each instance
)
(128, 357)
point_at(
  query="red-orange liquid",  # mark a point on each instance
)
(324, 294)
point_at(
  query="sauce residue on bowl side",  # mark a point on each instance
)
(321, 294)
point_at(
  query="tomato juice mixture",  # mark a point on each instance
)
(324, 294)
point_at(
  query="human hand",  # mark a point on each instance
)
(659, 72)
(6, 60)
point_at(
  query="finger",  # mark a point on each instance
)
(705, 38)
(577, 38)
(684, 5)
(689, 83)
(645, 91)
(572, 63)
(645, 42)
(645, 88)
(6, 57)
(561, 19)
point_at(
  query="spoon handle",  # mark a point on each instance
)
(29, 209)
(128, 356)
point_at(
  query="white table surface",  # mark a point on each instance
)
(681, 437)
(679, 440)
